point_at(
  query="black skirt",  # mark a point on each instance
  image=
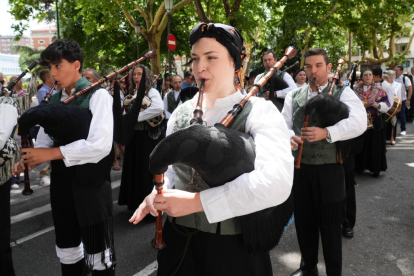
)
(137, 181)
(373, 157)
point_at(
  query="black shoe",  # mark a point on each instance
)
(348, 232)
(311, 272)
(376, 174)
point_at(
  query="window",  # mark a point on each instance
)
(407, 63)
(41, 41)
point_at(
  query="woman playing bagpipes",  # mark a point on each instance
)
(375, 101)
(141, 139)
(201, 233)
(80, 191)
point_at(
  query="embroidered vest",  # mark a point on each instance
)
(172, 103)
(315, 153)
(189, 180)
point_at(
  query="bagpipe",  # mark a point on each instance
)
(66, 123)
(234, 154)
(124, 124)
(330, 111)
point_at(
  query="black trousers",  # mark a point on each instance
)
(349, 169)
(319, 200)
(208, 254)
(6, 262)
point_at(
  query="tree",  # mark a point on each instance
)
(27, 56)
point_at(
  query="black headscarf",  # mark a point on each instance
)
(226, 35)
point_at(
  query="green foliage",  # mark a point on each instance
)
(27, 56)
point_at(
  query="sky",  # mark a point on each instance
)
(7, 20)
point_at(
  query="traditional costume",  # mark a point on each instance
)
(9, 155)
(137, 181)
(80, 191)
(211, 242)
(319, 186)
(373, 156)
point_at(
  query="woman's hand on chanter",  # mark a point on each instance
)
(178, 203)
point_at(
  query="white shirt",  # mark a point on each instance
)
(403, 87)
(98, 144)
(156, 108)
(390, 94)
(345, 129)
(395, 88)
(287, 78)
(8, 119)
(271, 181)
(176, 94)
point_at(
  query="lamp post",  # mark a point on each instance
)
(168, 8)
(137, 31)
(57, 19)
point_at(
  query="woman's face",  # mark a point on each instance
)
(212, 63)
(367, 78)
(301, 77)
(167, 84)
(137, 75)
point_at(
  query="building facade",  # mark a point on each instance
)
(42, 37)
(7, 42)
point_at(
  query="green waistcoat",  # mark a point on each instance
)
(315, 153)
(82, 101)
(172, 104)
(187, 179)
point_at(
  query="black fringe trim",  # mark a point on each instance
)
(262, 230)
(105, 230)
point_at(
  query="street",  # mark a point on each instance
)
(383, 242)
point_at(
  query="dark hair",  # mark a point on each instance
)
(253, 74)
(146, 74)
(400, 66)
(297, 72)
(270, 52)
(44, 74)
(377, 71)
(67, 49)
(187, 74)
(317, 52)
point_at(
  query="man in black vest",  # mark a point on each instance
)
(172, 98)
(319, 184)
(270, 60)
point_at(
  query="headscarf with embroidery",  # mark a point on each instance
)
(226, 35)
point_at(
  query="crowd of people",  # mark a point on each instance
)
(202, 228)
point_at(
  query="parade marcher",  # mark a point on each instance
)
(207, 214)
(395, 90)
(18, 87)
(269, 60)
(136, 180)
(375, 101)
(188, 82)
(48, 83)
(251, 78)
(318, 187)
(406, 93)
(300, 77)
(377, 78)
(172, 98)
(81, 204)
(9, 154)
(91, 75)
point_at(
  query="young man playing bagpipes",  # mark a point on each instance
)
(319, 183)
(80, 191)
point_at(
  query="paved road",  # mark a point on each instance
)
(383, 242)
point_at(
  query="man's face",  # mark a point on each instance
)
(269, 61)
(398, 71)
(176, 83)
(187, 80)
(89, 76)
(391, 78)
(317, 70)
(65, 73)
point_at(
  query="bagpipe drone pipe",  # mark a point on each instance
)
(219, 155)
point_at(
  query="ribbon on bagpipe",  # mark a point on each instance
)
(67, 123)
(261, 230)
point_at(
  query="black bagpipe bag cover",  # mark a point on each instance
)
(220, 155)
